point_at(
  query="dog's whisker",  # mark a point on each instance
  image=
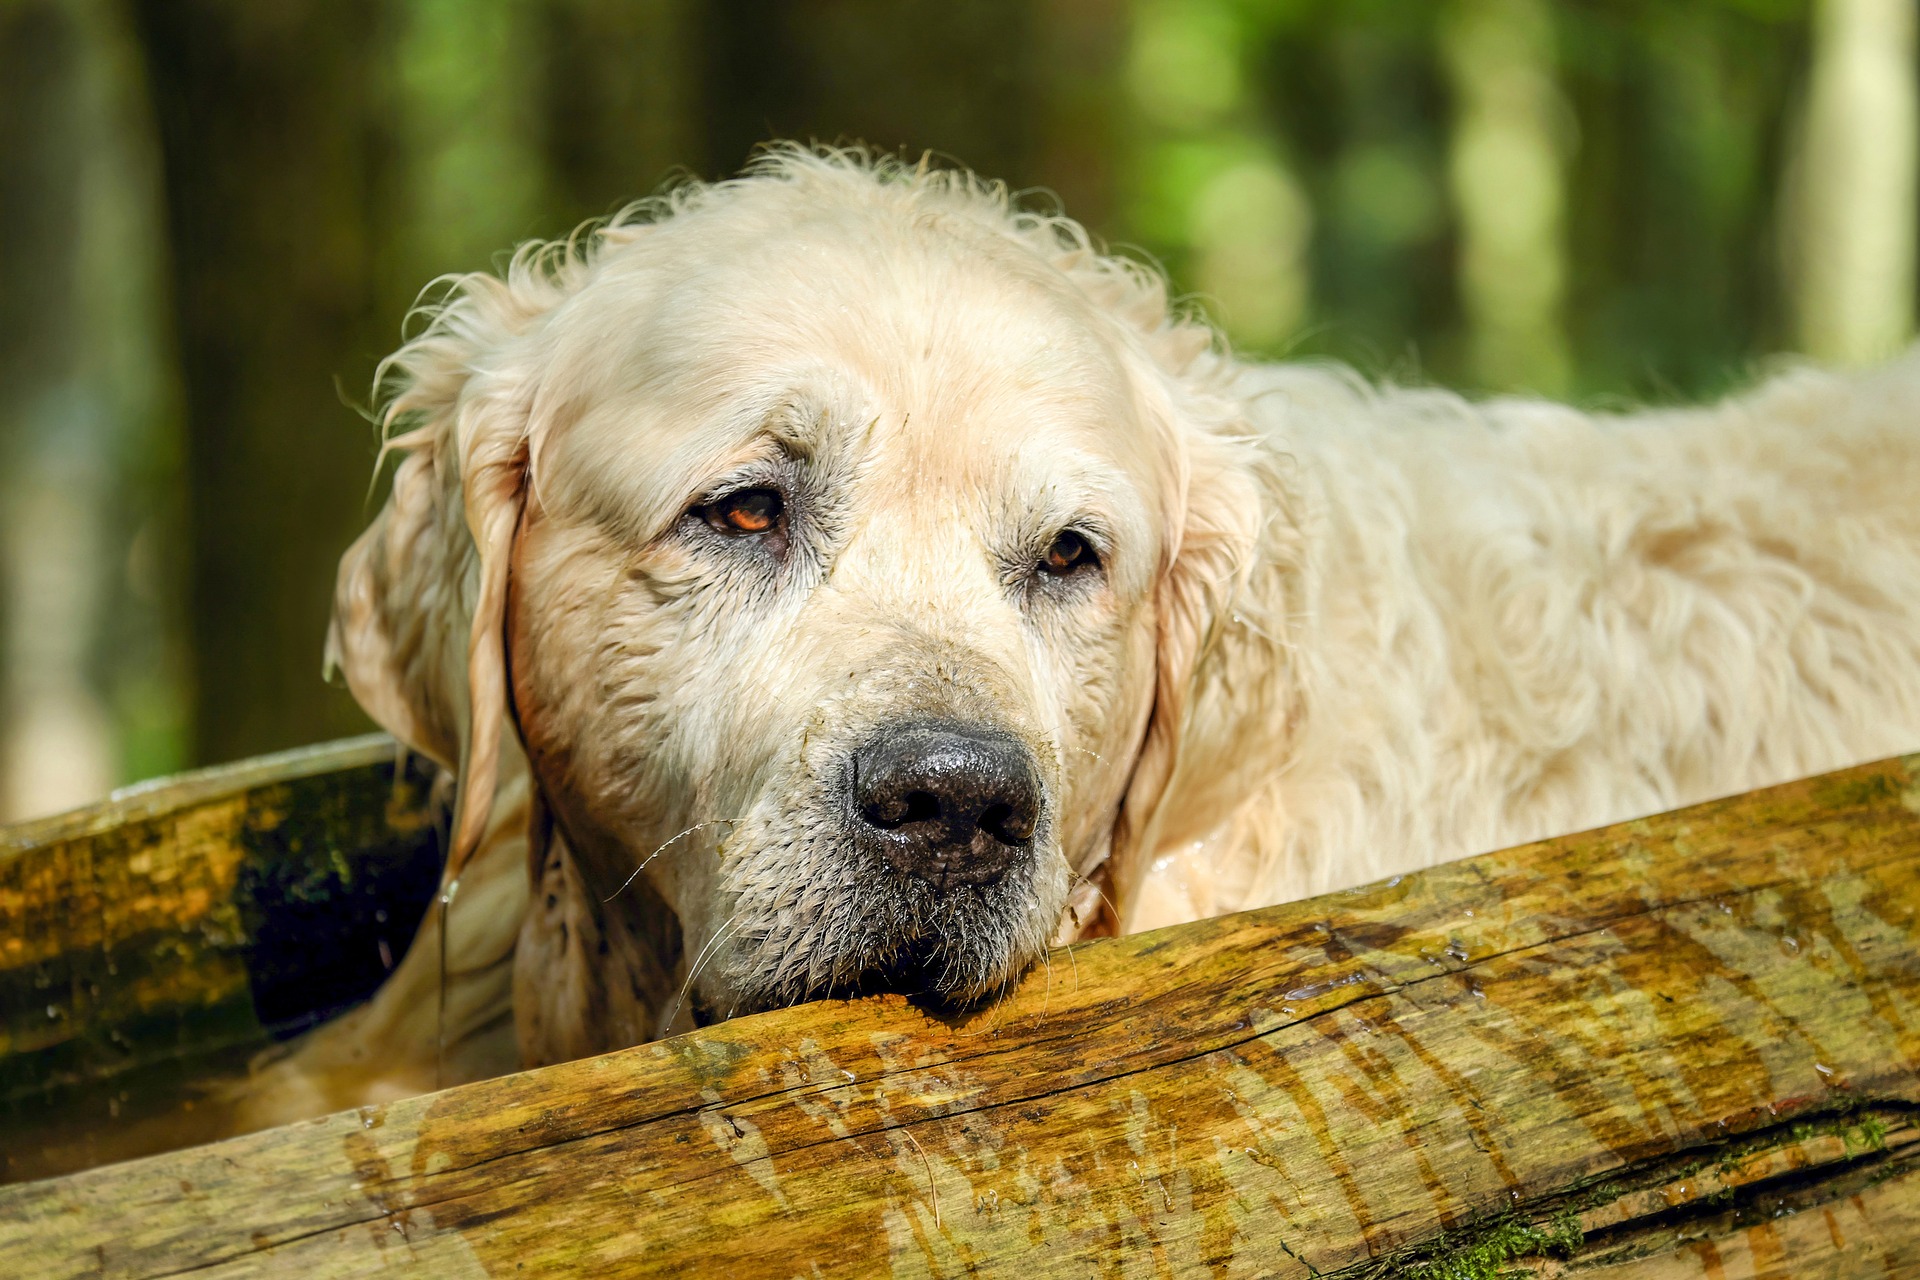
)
(635, 873)
(440, 1008)
(933, 1192)
(1000, 1000)
(699, 962)
(997, 1005)
(1091, 883)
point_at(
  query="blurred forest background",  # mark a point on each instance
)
(215, 213)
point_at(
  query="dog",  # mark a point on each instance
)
(844, 577)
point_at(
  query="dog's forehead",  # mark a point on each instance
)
(922, 311)
(959, 356)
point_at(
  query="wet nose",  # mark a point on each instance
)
(948, 803)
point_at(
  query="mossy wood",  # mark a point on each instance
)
(1683, 1046)
(153, 943)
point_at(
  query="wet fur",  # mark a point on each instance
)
(1347, 630)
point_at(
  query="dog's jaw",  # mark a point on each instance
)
(845, 923)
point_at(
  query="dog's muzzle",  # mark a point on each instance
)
(947, 803)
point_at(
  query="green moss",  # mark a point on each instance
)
(1862, 1132)
(1848, 793)
(1489, 1252)
(1484, 1254)
(1869, 1131)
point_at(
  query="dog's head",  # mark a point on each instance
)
(841, 541)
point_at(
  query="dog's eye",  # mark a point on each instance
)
(745, 511)
(1069, 553)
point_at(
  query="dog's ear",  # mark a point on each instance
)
(394, 607)
(1217, 513)
(1220, 504)
(419, 613)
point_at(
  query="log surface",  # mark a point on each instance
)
(154, 942)
(1683, 1046)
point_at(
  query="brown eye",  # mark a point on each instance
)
(746, 511)
(1069, 553)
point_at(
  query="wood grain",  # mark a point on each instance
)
(1688, 1045)
(157, 940)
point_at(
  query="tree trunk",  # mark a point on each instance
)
(956, 79)
(1851, 225)
(1509, 190)
(618, 107)
(269, 122)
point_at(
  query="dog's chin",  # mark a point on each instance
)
(918, 971)
(950, 951)
(922, 969)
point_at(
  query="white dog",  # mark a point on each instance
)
(875, 575)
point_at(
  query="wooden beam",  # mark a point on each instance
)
(1688, 1045)
(165, 936)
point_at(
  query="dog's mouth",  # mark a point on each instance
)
(947, 960)
(914, 970)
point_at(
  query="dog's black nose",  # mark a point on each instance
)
(949, 803)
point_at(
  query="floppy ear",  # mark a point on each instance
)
(395, 611)
(1219, 500)
(420, 603)
(494, 472)
(1217, 512)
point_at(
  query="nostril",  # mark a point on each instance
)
(1005, 824)
(950, 804)
(900, 811)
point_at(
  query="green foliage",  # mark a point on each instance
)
(1670, 124)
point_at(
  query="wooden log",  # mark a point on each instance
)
(152, 944)
(1683, 1046)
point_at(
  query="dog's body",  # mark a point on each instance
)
(890, 463)
(1503, 621)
